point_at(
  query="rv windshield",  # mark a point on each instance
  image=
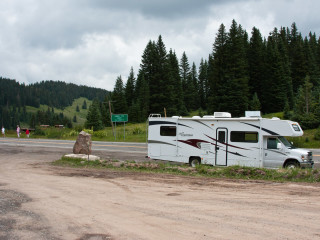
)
(286, 142)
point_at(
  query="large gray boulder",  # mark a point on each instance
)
(83, 144)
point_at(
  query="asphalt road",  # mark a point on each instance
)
(121, 150)
(67, 144)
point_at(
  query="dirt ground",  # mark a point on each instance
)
(40, 201)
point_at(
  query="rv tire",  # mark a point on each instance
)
(194, 161)
(292, 164)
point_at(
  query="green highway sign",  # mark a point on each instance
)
(119, 117)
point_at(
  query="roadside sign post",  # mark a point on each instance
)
(120, 118)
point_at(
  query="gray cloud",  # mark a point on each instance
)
(92, 42)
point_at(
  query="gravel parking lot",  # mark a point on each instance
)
(40, 201)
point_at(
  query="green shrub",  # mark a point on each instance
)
(54, 133)
(39, 132)
(78, 128)
(72, 133)
(88, 131)
(100, 134)
(137, 131)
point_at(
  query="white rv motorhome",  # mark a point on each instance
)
(220, 140)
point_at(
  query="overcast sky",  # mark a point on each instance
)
(91, 42)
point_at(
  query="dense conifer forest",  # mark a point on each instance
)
(273, 74)
(277, 73)
(14, 97)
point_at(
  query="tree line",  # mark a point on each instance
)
(273, 74)
(14, 97)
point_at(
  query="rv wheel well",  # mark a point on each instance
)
(291, 161)
(193, 161)
(194, 157)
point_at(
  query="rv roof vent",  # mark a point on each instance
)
(175, 117)
(222, 115)
(275, 118)
(197, 117)
(208, 116)
(155, 115)
(253, 114)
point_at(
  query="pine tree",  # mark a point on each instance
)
(94, 117)
(143, 97)
(297, 58)
(275, 86)
(129, 89)
(118, 97)
(177, 105)
(229, 75)
(256, 57)
(255, 103)
(84, 104)
(203, 83)
(311, 61)
(105, 112)
(194, 89)
(158, 82)
(217, 69)
(237, 88)
(189, 90)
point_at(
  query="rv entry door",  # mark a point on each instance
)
(221, 146)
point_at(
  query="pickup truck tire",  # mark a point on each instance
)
(292, 164)
(194, 161)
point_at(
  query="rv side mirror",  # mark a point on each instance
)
(279, 146)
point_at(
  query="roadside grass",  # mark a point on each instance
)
(232, 172)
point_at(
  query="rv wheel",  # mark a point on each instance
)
(194, 162)
(292, 164)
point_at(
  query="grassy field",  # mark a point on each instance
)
(69, 111)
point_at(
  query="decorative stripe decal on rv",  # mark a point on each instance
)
(166, 122)
(264, 129)
(229, 145)
(237, 154)
(202, 123)
(159, 142)
(193, 142)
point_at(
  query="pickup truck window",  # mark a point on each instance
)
(272, 143)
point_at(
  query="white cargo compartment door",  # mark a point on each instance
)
(154, 150)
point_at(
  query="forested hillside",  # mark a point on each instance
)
(14, 97)
(272, 74)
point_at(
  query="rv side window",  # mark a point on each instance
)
(238, 136)
(168, 131)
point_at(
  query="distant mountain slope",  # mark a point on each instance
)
(56, 94)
